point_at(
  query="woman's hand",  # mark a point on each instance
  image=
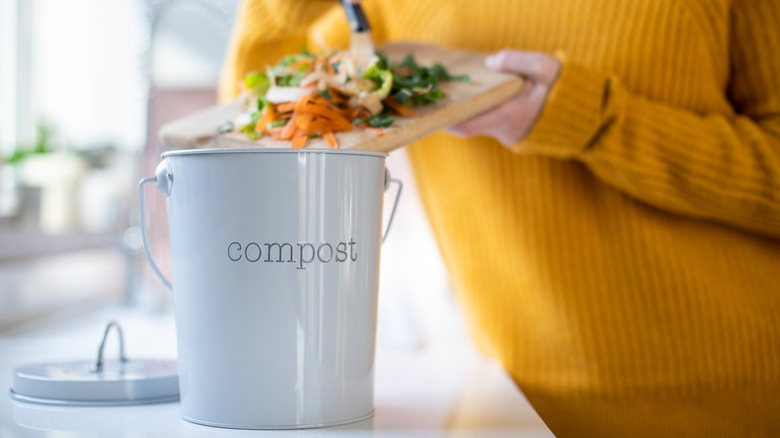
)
(510, 121)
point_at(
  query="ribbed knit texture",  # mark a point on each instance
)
(623, 261)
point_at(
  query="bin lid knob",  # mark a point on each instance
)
(113, 382)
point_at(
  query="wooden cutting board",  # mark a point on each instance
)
(463, 100)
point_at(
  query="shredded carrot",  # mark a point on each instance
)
(331, 139)
(322, 124)
(285, 107)
(322, 101)
(399, 108)
(335, 96)
(299, 141)
(268, 117)
(349, 113)
(301, 105)
(300, 132)
(304, 120)
(315, 116)
(301, 63)
(289, 129)
(324, 111)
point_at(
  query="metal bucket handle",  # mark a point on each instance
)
(389, 180)
(163, 178)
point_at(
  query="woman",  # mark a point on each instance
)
(613, 231)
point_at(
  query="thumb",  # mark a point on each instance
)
(538, 67)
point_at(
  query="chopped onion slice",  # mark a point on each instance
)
(287, 94)
(242, 120)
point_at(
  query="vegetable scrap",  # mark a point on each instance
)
(306, 96)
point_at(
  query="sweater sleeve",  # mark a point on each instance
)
(264, 32)
(714, 166)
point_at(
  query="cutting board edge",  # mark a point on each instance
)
(447, 117)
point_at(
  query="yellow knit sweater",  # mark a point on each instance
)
(623, 260)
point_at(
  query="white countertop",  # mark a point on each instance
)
(438, 390)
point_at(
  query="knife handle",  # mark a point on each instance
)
(356, 17)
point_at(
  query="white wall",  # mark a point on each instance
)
(8, 51)
(87, 76)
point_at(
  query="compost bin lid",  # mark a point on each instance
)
(115, 382)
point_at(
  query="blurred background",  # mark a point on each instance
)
(84, 87)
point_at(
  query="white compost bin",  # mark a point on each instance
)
(275, 261)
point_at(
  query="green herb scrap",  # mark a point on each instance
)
(276, 124)
(414, 84)
(305, 52)
(381, 120)
(290, 80)
(249, 129)
(407, 82)
(226, 127)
